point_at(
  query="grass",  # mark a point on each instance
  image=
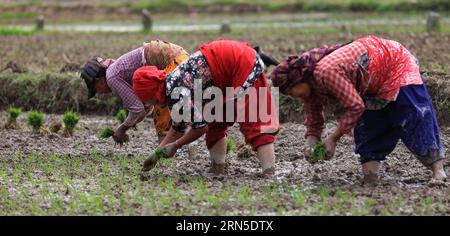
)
(52, 92)
(251, 5)
(14, 32)
(17, 15)
(294, 5)
(108, 185)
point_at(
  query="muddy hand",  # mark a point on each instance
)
(307, 152)
(120, 136)
(149, 163)
(170, 149)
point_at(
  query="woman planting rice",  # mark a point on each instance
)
(378, 83)
(221, 64)
(105, 76)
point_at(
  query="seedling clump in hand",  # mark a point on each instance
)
(160, 153)
(318, 153)
(151, 161)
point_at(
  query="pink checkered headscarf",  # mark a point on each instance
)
(296, 69)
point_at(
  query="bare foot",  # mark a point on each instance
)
(267, 173)
(370, 180)
(438, 171)
(440, 175)
(370, 170)
(217, 169)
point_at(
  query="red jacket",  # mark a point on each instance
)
(230, 61)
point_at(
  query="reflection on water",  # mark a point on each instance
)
(113, 27)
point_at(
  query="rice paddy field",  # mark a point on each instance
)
(47, 171)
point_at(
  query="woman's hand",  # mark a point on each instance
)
(171, 149)
(330, 146)
(190, 136)
(310, 142)
(120, 135)
(331, 142)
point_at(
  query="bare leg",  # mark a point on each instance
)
(192, 150)
(438, 171)
(266, 157)
(217, 154)
(370, 170)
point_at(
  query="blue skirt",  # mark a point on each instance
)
(411, 118)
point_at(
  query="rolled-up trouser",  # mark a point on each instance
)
(258, 132)
(411, 118)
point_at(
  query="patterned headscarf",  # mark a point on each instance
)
(297, 69)
(161, 53)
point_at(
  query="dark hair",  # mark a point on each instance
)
(91, 72)
(267, 59)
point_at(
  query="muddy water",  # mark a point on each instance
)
(166, 27)
(401, 170)
(402, 176)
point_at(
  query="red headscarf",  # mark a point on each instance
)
(148, 83)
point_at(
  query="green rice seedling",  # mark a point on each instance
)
(105, 133)
(70, 120)
(299, 197)
(319, 153)
(121, 115)
(14, 112)
(268, 196)
(35, 120)
(151, 161)
(160, 153)
(243, 195)
(201, 190)
(230, 145)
